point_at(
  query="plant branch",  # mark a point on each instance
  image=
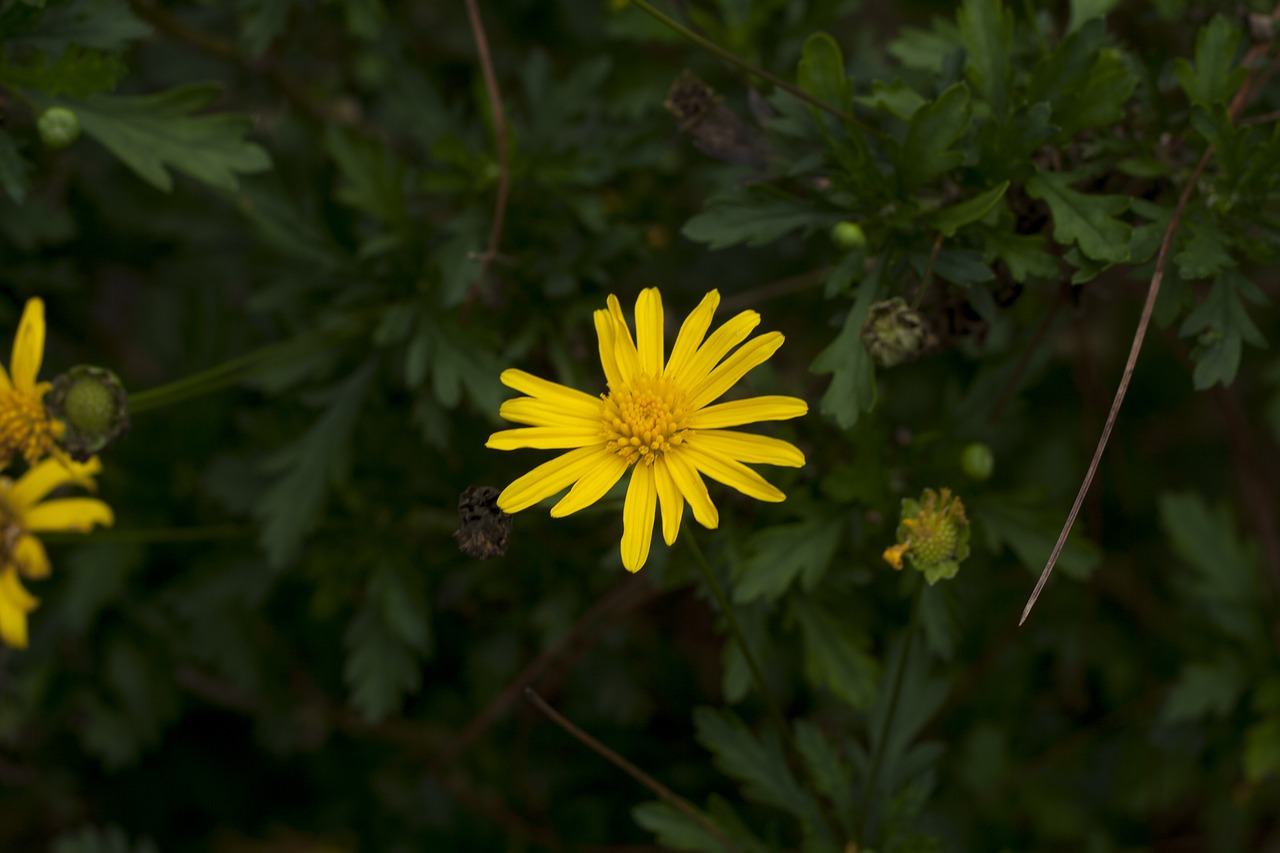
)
(500, 143)
(729, 57)
(757, 674)
(895, 691)
(610, 607)
(655, 787)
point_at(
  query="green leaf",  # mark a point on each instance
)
(948, 220)
(1262, 749)
(289, 228)
(896, 98)
(1204, 253)
(674, 829)
(92, 839)
(832, 777)
(155, 133)
(459, 362)
(14, 168)
(1204, 690)
(1213, 80)
(1099, 100)
(1086, 83)
(835, 654)
(96, 24)
(853, 375)
(938, 619)
(1085, 11)
(1222, 327)
(986, 29)
(386, 642)
(932, 130)
(1222, 583)
(1086, 220)
(926, 50)
(755, 218)
(1024, 254)
(304, 470)
(373, 180)
(821, 72)
(77, 72)
(1031, 533)
(260, 22)
(757, 763)
(779, 555)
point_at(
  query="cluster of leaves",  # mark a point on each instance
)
(282, 606)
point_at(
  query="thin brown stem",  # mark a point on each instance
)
(631, 593)
(655, 787)
(500, 144)
(291, 87)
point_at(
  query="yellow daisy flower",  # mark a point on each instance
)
(659, 420)
(23, 511)
(25, 427)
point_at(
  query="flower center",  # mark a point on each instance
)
(644, 419)
(25, 427)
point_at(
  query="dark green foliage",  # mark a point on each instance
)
(276, 228)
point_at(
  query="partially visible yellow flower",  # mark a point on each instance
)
(933, 533)
(659, 420)
(23, 512)
(26, 429)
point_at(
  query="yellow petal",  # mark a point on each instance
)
(670, 499)
(749, 411)
(692, 331)
(606, 334)
(545, 438)
(637, 518)
(13, 626)
(48, 475)
(723, 339)
(624, 348)
(15, 604)
(690, 484)
(76, 514)
(734, 474)
(5, 384)
(549, 478)
(649, 331)
(28, 346)
(748, 447)
(593, 485)
(753, 353)
(32, 559)
(552, 392)
(527, 410)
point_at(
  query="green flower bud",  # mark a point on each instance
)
(977, 461)
(58, 127)
(93, 405)
(848, 236)
(933, 535)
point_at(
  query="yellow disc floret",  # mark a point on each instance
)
(644, 419)
(26, 430)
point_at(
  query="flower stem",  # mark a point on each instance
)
(729, 57)
(230, 372)
(726, 609)
(895, 692)
(757, 674)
